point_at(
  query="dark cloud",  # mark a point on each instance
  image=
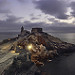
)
(23, 1)
(3, 3)
(56, 8)
(32, 14)
(39, 15)
(73, 8)
(11, 24)
(11, 18)
(4, 6)
(55, 27)
(34, 18)
(4, 11)
(30, 25)
(53, 20)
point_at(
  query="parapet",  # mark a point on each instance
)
(34, 30)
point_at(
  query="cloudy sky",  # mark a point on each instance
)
(52, 15)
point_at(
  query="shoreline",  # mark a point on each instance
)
(56, 46)
(8, 40)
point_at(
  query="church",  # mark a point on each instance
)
(26, 32)
(23, 32)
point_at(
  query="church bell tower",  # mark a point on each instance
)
(22, 29)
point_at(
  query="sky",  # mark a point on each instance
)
(51, 15)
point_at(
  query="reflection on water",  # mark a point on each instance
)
(67, 37)
(65, 65)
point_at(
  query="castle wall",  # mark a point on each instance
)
(36, 30)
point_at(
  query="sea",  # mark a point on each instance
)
(63, 65)
(67, 37)
(7, 35)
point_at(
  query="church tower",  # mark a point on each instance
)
(22, 29)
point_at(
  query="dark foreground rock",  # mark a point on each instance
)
(19, 66)
(8, 40)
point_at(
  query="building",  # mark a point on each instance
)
(36, 30)
(23, 32)
(26, 32)
(22, 29)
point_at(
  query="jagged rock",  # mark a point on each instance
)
(19, 64)
(23, 33)
(44, 47)
(50, 42)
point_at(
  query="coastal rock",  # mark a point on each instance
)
(44, 45)
(37, 47)
(50, 42)
(19, 66)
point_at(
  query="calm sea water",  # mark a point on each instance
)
(64, 65)
(6, 35)
(67, 37)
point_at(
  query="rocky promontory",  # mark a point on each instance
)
(36, 47)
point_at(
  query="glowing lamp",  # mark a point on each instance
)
(29, 47)
(19, 46)
(12, 51)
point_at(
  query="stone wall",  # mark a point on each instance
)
(36, 30)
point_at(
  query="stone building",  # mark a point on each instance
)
(22, 29)
(36, 30)
(23, 32)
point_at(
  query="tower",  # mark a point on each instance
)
(22, 29)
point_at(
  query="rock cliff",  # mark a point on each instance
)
(40, 46)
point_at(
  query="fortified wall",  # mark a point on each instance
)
(36, 30)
